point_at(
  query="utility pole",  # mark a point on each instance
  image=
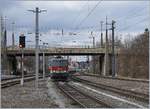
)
(13, 38)
(22, 45)
(101, 33)
(88, 60)
(2, 32)
(106, 51)
(62, 31)
(113, 52)
(4, 45)
(93, 39)
(94, 48)
(44, 62)
(37, 11)
(22, 67)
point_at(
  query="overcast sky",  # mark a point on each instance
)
(130, 16)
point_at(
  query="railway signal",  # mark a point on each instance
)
(22, 45)
(22, 41)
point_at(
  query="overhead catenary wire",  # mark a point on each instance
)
(78, 16)
(132, 25)
(130, 16)
(82, 21)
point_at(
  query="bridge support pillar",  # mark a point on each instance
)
(11, 65)
(107, 65)
(100, 64)
(4, 64)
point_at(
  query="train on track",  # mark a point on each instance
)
(58, 68)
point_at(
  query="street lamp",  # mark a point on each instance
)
(93, 47)
(93, 39)
(44, 59)
(73, 42)
(13, 37)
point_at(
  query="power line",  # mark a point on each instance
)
(88, 14)
(134, 14)
(75, 20)
(129, 26)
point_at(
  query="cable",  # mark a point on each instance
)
(75, 20)
(88, 15)
(129, 26)
(134, 14)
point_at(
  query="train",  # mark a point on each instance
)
(58, 68)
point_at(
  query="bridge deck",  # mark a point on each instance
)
(57, 51)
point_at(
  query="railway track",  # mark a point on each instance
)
(128, 93)
(13, 81)
(118, 78)
(84, 100)
(4, 79)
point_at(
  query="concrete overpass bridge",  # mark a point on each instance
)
(56, 51)
(14, 54)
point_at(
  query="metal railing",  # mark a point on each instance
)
(62, 49)
(54, 46)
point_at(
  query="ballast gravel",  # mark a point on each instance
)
(27, 96)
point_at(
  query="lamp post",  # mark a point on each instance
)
(73, 42)
(94, 48)
(44, 47)
(93, 39)
(44, 61)
(101, 33)
(13, 37)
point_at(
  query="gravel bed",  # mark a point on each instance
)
(118, 95)
(27, 96)
(110, 99)
(129, 85)
(59, 97)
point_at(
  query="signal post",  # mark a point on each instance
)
(22, 45)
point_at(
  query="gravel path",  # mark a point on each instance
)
(27, 96)
(130, 85)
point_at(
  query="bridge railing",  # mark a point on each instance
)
(47, 47)
(72, 49)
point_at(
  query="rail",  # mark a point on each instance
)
(128, 93)
(83, 99)
(13, 81)
(119, 78)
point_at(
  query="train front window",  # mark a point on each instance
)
(59, 63)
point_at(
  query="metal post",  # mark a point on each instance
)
(101, 33)
(37, 11)
(88, 59)
(4, 45)
(43, 65)
(94, 64)
(106, 52)
(93, 42)
(93, 56)
(22, 68)
(113, 52)
(13, 39)
(37, 44)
